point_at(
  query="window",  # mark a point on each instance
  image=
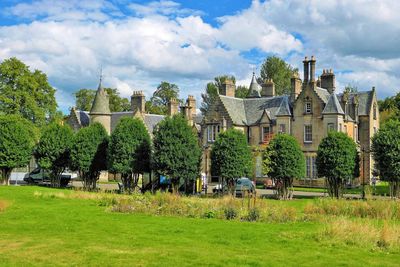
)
(345, 129)
(266, 131)
(212, 132)
(331, 127)
(307, 133)
(311, 168)
(282, 128)
(307, 107)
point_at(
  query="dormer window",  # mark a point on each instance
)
(308, 107)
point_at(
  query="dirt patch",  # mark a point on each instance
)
(3, 205)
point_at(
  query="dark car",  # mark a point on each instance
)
(244, 187)
(41, 176)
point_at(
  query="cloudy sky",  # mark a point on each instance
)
(188, 42)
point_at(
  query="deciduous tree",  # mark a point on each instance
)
(176, 151)
(129, 151)
(283, 162)
(231, 157)
(337, 161)
(386, 153)
(17, 139)
(84, 100)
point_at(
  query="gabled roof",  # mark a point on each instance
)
(101, 102)
(249, 111)
(333, 106)
(284, 109)
(82, 117)
(150, 120)
(364, 101)
(323, 94)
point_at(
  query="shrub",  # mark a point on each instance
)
(230, 213)
(253, 215)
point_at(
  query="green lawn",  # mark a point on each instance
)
(55, 231)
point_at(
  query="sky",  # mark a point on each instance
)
(138, 44)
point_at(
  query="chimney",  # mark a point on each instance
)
(295, 83)
(312, 69)
(306, 70)
(138, 103)
(228, 88)
(191, 104)
(172, 107)
(268, 88)
(328, 80)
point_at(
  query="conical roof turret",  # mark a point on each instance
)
(254, 90)
(101, 103)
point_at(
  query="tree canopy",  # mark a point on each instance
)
(285, 161)
(337, 161)
(389, 109)
(89, 153)
(176, 151)
(231, 157)
(129, 150)
(161, 97)
(53, 150)
(280, 72)
(17, 139)
(84, 100)
(386, 153)
(26, 93)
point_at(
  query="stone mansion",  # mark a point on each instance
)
(312, 109)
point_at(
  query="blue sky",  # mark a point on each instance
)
(141, 43)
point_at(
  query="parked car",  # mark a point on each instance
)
(41, 176)
(244, 186)
(219, 188)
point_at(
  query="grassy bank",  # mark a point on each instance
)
(41, 226)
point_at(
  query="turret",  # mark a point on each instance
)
(100, 111)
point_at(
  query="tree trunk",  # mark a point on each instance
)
(5, 176)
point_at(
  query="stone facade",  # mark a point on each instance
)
(308, 113)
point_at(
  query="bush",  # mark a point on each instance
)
(253, 215)
(230, 213)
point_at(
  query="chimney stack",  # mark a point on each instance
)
(173, 107)
(312, 69)
(295, 83)
(228, 88)
(191, 103)
(328, 80)
(306, 70)
(268, 88)
(138, 103)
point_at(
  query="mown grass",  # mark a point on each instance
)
(61, 227)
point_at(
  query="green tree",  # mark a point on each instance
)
(17, 140)
(231, 157)
(53, 150)
(389, 109)
(89, 153)
(84, 100)
(337, 161)
(25, 93)
(386, 153)
(161, 97)
(176, 151)
(129, 151)
(283, 162)
(280, 72)
(241, 91)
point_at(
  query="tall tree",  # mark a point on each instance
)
(285, 161)
(25, 93)
(280, 72)
(231, 157)
(89, 153)
(176, 151)
(161, 97)
(337, 161)
(241, 91)
(389, 109)
(17, 138)
(84, 100)
(53, 150)
(129, 151)
(386, 152)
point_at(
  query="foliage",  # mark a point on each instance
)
(241, 91)
(386, 153)
(129, 151)
(25, 93)
(84, 100)
(17, 138)
(284, 161)
(53, 150)
(161, 97)
(176, 151)
(231, 157)
(351, 88)
(337, 161)
(389, 109)
(280, 72)
(89, 153)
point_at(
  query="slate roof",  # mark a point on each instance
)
(254, 89)
(284, 108)
(150, 120)
(249, 111)
(364, 101)
(333, 106)
(323, 94)
(101, 102)
(83, 117)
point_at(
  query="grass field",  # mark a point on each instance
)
(74, 231)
